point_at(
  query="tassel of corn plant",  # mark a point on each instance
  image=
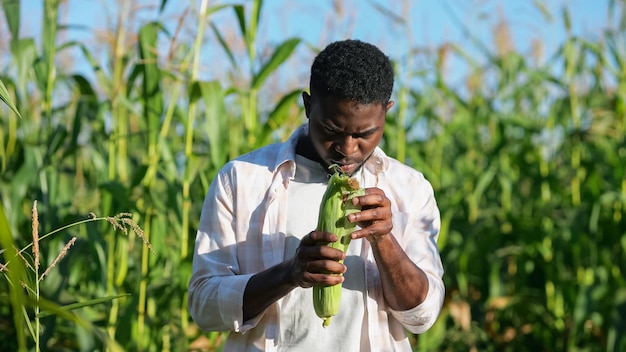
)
(333, 217)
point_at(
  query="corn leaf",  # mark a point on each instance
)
(54, 308)
(11, 10)
(279, 116)
(224, 45)
(280, 55)
(88, 303)
(6, 98)
(16, 274)
(215, 127)
(151, 93)
(25, 54)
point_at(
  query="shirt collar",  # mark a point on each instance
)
(286, 157)
(285, 160)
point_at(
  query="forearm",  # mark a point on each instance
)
(265, 288)
(404, 284)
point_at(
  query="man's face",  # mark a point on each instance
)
(344, 132)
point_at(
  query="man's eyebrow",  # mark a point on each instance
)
(330, 124)
(367, 131)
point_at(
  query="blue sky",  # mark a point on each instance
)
(428, 23)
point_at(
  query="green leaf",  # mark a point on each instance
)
(91, 302)
(544, 10)
(151, 92)
(48, 38)
(55, 141)
(41, 74)
(87, 110)
(213, 96)
(241, 19)
(282, 53)
(11, 10)
(567, 20)
(224, 45)
(279, 115)
(387, 13)
(103, 80)
(216, 8)
(4, 95)
(65, 314)
(16, 275)
(24, 54)
(162, 7)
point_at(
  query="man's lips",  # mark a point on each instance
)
(345, 165)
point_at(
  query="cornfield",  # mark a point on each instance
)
(103, 174)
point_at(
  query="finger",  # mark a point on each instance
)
(312, 253)
(377, 229)
(317, 237)
(332, 254)
(368, 215)
(377, 199)
(313, 271)
(321, 272)
(307, 254)
(324, 267)
(313, 279)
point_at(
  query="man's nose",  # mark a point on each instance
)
(346, 145)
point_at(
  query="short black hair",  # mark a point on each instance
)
(352, 70)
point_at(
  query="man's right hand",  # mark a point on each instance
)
(315, 263)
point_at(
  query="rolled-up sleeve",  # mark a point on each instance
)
(421, 318)
(419, 240)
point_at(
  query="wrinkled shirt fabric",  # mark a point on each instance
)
(243, 230)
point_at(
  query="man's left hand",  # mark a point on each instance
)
(374, 217)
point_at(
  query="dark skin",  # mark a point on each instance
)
(344, 133)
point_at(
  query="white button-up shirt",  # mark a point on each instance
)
(242, 231)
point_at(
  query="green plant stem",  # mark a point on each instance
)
(403, 93)
(119, 112)
(189, 152)
(64, 228)
(36, 331)
(117, 151)
(570, 61)
(110, 269)
(250, 111)
(51, 10)
(251, 116)
(189, 132)
(167, 122)
(141, 306)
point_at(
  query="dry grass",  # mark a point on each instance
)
(124, 221)
(24, 285)
(58, 258)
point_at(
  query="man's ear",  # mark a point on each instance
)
(390, 104)
(306, 100)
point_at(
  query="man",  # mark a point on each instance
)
(257, 252)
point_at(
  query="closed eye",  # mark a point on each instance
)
(364, 134)
(330, 130)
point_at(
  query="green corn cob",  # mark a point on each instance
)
(333, 217)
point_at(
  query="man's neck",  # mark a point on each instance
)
(305, 148)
